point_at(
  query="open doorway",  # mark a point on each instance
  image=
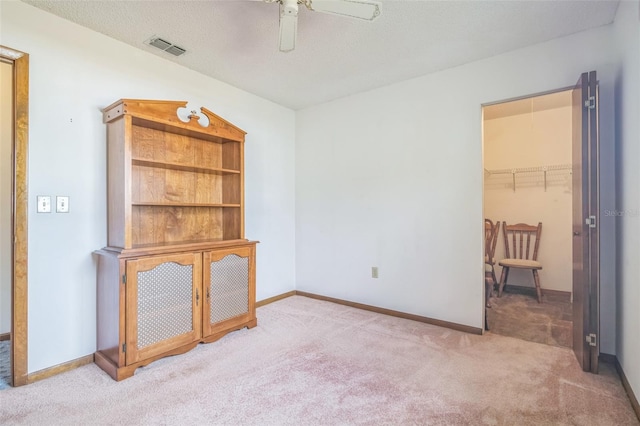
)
(528, 180)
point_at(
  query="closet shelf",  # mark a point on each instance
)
(538, 169)
(553, 167)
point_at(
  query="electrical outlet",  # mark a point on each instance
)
(374, 272)
(44, 204)
(62, 204)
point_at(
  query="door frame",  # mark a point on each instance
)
(20, 197)
(482, 106)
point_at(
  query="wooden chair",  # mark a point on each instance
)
(491, 232)
(517, 256)
(488, 291)
(490, 238)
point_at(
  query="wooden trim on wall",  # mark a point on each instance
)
(275, 298)
(19, 361)
(5, 336)
(60, 368)
(19, 343)
(557, 295)
(607, 358)
(440, 323)
(627, 386)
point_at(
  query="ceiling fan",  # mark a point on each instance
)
(361, 9)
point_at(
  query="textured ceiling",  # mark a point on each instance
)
(237, 41)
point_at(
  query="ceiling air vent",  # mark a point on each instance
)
(175, 50)
(166, 46)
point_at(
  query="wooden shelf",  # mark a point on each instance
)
(182, 167)
(176, 195)
(177, 204)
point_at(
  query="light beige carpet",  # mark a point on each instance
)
(316, 363)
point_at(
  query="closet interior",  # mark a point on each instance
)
(528, 218)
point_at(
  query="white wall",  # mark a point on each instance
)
(393, 178)
(535, 139)
(6, 157)
(74, 73)
(627, 39)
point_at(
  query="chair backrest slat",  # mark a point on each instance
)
(521, 234)
(521, 249)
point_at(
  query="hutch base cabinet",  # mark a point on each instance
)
(177, 270)
(154, 305)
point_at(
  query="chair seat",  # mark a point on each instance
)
(520, 263)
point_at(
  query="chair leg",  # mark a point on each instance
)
(503, 280)
(493, 275)
(488, 289)
(536, 280)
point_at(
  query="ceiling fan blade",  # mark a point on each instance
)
(288, 25)
(352, 8)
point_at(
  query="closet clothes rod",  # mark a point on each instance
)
(543, 169)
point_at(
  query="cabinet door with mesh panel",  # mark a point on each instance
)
(164, 304)
(229, 286)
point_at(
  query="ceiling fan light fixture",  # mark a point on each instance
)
(360, 9)
(289, 8)
(288, 25)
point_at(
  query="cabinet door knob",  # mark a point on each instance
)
(197, 296)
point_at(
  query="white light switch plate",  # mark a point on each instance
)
(44, 204)
(62, 204)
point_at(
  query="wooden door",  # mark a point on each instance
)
(586, 258)
(163, 304)
(229, 286)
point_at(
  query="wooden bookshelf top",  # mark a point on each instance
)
(163, 115)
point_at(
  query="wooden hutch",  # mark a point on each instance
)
(177, 269)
